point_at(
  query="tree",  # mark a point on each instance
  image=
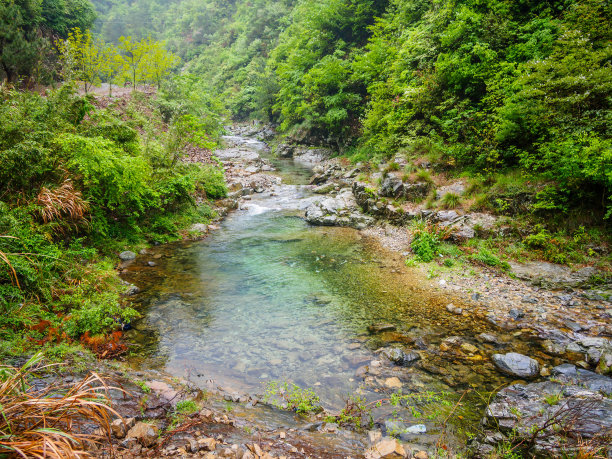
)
(114, 66)
(83, 57)
(158, 62)
(135, 53)
(19, 38)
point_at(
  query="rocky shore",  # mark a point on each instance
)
(542, 304)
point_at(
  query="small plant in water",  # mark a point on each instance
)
(292, 397)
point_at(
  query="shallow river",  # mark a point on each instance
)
(269, 297)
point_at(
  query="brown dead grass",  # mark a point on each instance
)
(49, 422)
(63, 202)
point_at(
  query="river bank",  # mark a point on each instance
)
(439, 356)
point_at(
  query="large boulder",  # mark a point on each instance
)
(518, 365)
(340, 210)
(310, 156)
(393, 187)
(550, 418)
(551, 275)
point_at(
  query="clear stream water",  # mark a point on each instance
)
(269, 297)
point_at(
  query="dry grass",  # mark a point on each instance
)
(49, 422)
(4, 258)
(62, 202)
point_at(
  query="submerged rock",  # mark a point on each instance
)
(381, 327)
(519, 365)
(399, 357)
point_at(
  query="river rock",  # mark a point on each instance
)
(592, 381)
(549, 417)
(393, 383)
(146, 434)
(127, 255)
(386, 448)
(551, 275)
(337, 211)
(515, 364)
(399, 357)
(381, 327)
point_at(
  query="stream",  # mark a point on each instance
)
(268, 297)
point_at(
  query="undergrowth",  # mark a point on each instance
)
(79, 182)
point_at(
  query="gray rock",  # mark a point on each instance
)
(337, 211)
(488, 338)
(446, 215)
(518, 365)
(551, 275)
(578, 414)
(454, 309)
(516, 314)
(132, 290)
(590, 380)
(127, 255)
(399, 357)
(391, 187)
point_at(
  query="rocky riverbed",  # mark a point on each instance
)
(479, 329)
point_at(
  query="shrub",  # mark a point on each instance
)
(423, 175)
(450, 200)
(292, 397)
(485, 257)
(425, 242)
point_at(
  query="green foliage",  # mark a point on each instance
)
(426, 241)
(486, 257)
(26, 29)
(186, 407)
(75, 180)
(292, 397)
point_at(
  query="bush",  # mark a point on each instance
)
(425, 242)
(450, 200)
(485, 257)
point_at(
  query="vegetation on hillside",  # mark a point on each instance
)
(482, 86)
(79, 179)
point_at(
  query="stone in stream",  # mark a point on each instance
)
(399, 357)
(393, 383)
(518, 365)
(381, 327)
(127, 255)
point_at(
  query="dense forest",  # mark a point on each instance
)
(484, 85)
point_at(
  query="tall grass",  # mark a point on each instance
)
(48, 422)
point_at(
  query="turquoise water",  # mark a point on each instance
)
(268, 297)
